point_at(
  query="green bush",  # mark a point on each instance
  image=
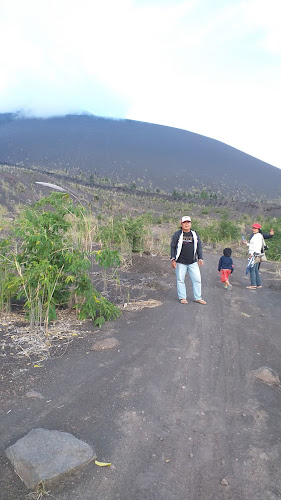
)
(224, 230)
(205, 210)
(7, 289)
(46, 269)
(274, 244)
(127, 231)
(227, 229)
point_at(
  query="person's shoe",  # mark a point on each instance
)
(251, 287)
(225, 286)
(260, 286)
(200, 301)
(229, 287)
(183, 301)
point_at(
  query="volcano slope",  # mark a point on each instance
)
(182, 408)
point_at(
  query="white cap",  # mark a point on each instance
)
(185, 218)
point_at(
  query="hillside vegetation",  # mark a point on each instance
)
(51, 241)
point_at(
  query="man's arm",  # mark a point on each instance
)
(199, 251)
(174, 241)
(199, 248)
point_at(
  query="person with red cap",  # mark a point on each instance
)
(256, 246)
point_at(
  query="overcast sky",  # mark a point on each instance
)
(208, 66)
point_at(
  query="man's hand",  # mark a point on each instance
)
(200, 262)
(174, 264)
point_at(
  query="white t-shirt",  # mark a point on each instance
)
(256, 243)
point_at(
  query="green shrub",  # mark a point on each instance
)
(46, 269)
(227, 229)
(223, 230)
(128, 231)
(6, 266)
(205, 210)
(274, 244)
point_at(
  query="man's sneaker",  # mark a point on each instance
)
(201, 301)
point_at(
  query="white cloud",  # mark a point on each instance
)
(265, 16)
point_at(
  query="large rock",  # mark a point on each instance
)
(42, 455)
(105, 344)
(266, 375)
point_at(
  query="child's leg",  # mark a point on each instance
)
(222, 273)
(225, 273)
(228, 273)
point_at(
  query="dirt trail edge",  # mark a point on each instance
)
(176, 407)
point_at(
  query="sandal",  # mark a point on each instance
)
(183, 301)
(260, 286)
(251, 287)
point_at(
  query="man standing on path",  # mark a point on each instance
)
(186, 256)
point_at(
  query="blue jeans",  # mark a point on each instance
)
(195, 276)
(255, 275)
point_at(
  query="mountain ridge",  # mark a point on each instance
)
(126, 151)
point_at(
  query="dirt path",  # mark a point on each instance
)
(176, 407)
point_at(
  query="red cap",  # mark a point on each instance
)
(256, 226)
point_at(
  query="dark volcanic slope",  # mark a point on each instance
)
(127, 151)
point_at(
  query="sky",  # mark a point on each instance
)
(212, 67)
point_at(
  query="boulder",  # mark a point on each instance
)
(43, 455)
(266, 375)
(105, 344)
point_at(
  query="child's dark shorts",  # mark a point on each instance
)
(225, 273)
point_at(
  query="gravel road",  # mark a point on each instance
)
(182, 407)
